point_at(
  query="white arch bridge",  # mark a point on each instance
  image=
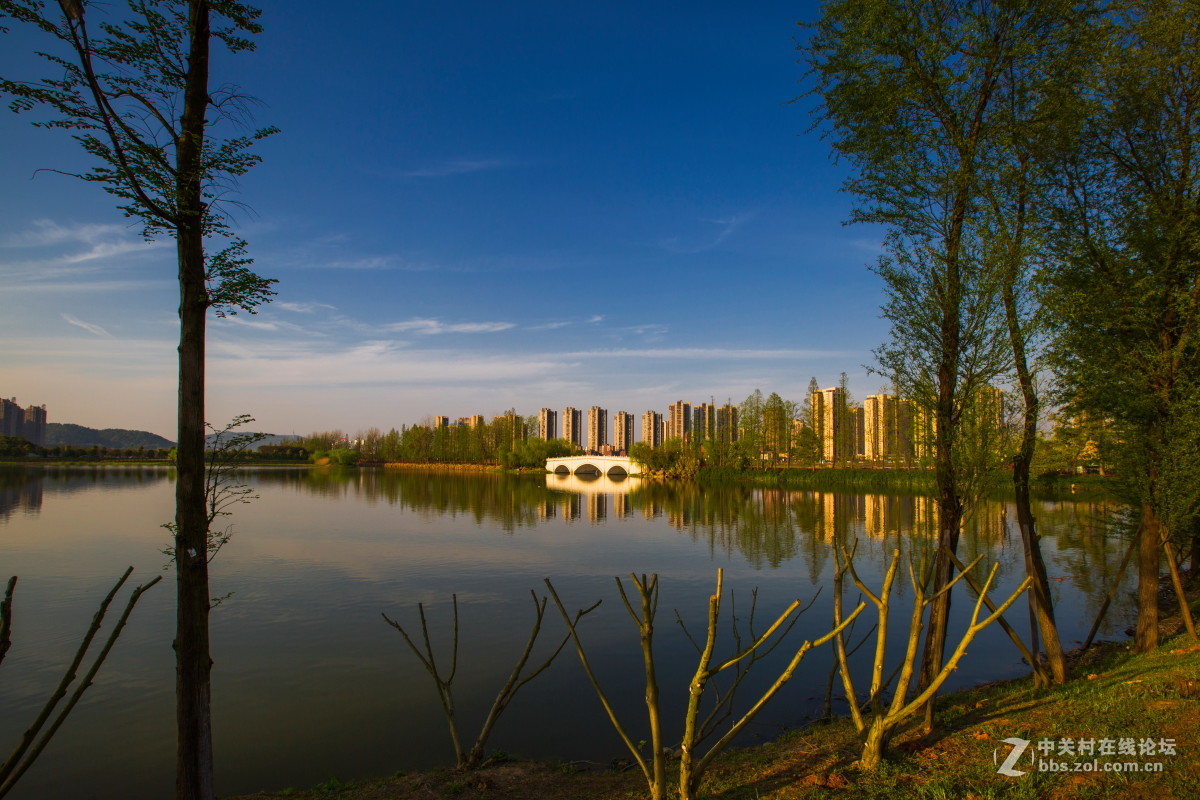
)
(596, 465)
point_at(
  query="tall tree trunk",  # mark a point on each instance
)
(1040, 602)
(1149, 535)
(193, 664)
(950, 506)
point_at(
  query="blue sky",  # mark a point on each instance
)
(471, 206)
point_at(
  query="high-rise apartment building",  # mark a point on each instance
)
(893, 429)
(704, 421)
(830, 424)
(856, 421)
(548, 424)
(12, 417)
(679, 421)
(24, 423)
(652, 428)
(572, 425)
(727, 424)
(622, 431)
(597, 427)
(441, 422)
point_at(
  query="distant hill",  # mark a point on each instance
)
(78, 436)
(268, 438)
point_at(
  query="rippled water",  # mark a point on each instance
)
(309, 682)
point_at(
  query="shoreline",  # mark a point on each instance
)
(1113, 694)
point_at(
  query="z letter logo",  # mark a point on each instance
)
(1018, 748)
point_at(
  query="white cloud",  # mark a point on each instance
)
(95, 330)
(710, 353)
(727, 226)
(302, 308)
(428, 327)
(462, 166)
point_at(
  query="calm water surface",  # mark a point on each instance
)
(310, 683)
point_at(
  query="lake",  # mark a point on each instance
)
(311, 683)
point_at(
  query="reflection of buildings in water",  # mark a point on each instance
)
(988, 522)
(886, 515)
(547, 509)
(572, 506)
(827, 520)
(621, 506)
(26, 496)
(677, 519)
(596, 489)
(597, 508)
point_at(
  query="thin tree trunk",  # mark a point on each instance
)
(1035, 567)
(193, 665)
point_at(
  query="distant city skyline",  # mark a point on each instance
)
(541, 205)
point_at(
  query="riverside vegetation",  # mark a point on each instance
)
(1117, 693)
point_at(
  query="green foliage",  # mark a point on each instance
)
(16, 447)
(1124, 287)
(120, 93)
(672, 459)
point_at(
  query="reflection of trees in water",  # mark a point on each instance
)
(1090, 538)
(22, 488)
(766, 527)
(510, 501)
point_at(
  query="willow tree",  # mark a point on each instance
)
(1126, 290)
(133, 88)
(910, 95)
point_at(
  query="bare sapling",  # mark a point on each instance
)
(473, 758)
(38, 735)
(877, 718)
(693, 763)
(222, 491)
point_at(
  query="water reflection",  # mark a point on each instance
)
(304, 662)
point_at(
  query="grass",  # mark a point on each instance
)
(1115, 694)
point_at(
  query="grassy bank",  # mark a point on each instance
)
(1115, 695)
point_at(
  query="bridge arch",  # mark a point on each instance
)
(614, 466)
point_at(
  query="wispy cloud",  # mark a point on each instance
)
(50, 286)
(101, 241)
(462, 166)
(372, 363)
(550, 326)
(726, 227)
(427, 327)
(652, 329)
(714, 353)
(45, 232)
(303, 308)
(91, 328)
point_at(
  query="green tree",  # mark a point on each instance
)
(1038, 91)
(909, 94)
(1126, 292)
(750, 420)
(139, 102)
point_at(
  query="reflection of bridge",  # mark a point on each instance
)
(603, 465)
